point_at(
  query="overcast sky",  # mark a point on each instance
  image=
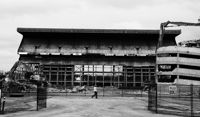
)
(109, 14)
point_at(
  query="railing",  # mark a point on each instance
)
(17, 100)
(178, 60)
(102, 92)
(178, 49)
(182, 100)
(38, 97)
(183, 72)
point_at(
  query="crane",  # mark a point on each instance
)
(165, 24)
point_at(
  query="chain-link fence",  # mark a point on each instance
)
(23, 100)
(183, 100)
(36, 98)
(108, 91)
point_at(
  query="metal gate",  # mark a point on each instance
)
(30, 100)
(41, 96)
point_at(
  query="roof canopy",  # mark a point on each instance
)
(46, 41)
(106, 31)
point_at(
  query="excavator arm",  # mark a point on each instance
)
(165, 24)
(173, 24)
(14, 68)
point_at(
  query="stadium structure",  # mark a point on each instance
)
(105, 57)
(178, 64)
(190, 43)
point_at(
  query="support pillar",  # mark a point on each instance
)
(88, 76)
(72, 76)
(133, 77)
(178, 55)
(50, 74)
(103, 75)
(65, 75)
(149, 79)
(113, 77)
(93, 75)
(82, 75)
(142, 77)
(118, 76)
(57, 76)
(126, 76)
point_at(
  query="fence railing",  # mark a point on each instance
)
(183, 100)
(39, 96)
(17, 101)
(102, 91)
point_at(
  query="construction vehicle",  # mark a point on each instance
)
(19, 67)
(15, 82)
(168, 59)
(175, 24)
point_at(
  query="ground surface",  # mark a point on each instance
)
(61, 106)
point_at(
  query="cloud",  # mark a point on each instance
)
(124, 4)
(17, 8)
(8, 58)
(127, 14)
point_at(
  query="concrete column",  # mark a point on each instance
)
(57, 76)
(50, 73)
(178, 66)
(141, 77)
(103, 74)
(156, 70)
(133, 76)
(72, 76)
(88, 76)
(149, 79)
(93, 77)
(65, 75)
(125, 76)
(81, 82)
(113, 78)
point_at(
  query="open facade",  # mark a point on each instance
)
(105, 57)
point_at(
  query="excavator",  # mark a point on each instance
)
(26, 68)
(11, 84)
(162, 32)
(171, 24)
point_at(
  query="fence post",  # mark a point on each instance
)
(191, 90)
(122, 92)
(1, 92)
(0, 104)
(112, 90)
(3, 105)
(179, 91)
(199, 92)
(149, 97)
(37, 97)
(156, 98)
(103, 91)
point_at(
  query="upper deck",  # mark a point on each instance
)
(111, 42)
(186, 60)
(179, 49)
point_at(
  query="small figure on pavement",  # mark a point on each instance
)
(95, 92)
